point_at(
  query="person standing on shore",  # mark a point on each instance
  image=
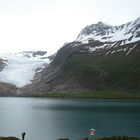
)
(23, 135)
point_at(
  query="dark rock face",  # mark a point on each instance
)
(7, 89)
(35, 53)
(2, 64)
(29, 54)
(51, 78)
(99, 29)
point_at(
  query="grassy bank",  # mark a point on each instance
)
(96, 95)
(115, 138)
(109, 138)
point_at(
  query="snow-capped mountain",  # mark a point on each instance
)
(20, 68)
(102, 57)
(127, 33)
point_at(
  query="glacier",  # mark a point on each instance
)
(20, 70)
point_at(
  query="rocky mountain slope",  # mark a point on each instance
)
(102, 57)
(5, 88)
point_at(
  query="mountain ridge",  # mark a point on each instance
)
(89, 64)
(104, 32)
(95, 61)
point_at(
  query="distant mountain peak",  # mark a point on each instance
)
(129, 32)
(103, 24)
(137, 21)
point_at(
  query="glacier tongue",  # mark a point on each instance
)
(20, 70)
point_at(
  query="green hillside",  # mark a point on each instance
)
(104, 72)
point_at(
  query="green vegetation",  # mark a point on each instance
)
(116, 138)
(111, 72)
(110, 138)
(95, 95)
(105, 77)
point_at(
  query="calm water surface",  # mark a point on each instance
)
(50, 119)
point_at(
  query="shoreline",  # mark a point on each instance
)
(77, 98)
(114, 137)
(103, 95)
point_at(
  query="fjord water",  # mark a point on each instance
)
(50, 119)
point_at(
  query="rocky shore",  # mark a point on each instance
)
(9, 138)
(100, 138)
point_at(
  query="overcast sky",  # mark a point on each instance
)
(48, 24)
